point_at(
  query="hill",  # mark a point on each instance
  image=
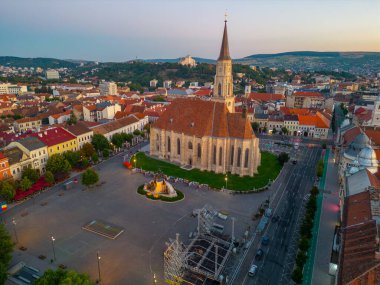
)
(36, 62)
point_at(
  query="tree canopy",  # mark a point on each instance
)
(6, 248)
(7, 191)
(89, 177)
(25, 184)
(57, 163)
(63, 277)
(100, 142)
(31, 174)
(49, 177)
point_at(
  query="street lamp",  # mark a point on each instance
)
(98, 259)
(135, 162)
(154, 279)
(14, 228)
(226, 179)
(52, 244)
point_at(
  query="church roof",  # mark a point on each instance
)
(224, 49)
(201, 118)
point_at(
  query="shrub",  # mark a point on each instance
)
(297, 275)
(25, 184)
(49, 177)
(89, 177)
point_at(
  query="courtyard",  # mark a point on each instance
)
(136, 253)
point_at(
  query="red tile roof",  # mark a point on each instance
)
(265, 97)
(350, 135)
(201, 118)
(307, 94)
(54, 136)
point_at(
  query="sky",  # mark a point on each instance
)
(120, 30)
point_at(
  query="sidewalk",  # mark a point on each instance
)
(329, 218)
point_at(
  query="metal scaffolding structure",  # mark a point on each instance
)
(203, 259)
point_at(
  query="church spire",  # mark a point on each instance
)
(224, 50)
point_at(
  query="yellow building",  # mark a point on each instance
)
(57, 140)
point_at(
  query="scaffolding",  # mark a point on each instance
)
(203, 259)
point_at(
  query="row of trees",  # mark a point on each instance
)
(256, 128)
(320, 167)
(6, 248)
(306, 235)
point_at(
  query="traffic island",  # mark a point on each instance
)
(155, 196)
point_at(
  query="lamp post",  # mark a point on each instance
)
(14, 229)
(154, 279)
(98, 259)
(226, 179)
(135, 161)
(52, 244)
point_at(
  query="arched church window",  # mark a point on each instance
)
(220, 155)
(178, 147)
(214, 155)
(238, 157)
(169, 144)
(199, 151)
(246, 156)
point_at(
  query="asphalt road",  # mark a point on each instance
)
(275, 267)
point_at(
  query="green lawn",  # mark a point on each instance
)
(269, 169)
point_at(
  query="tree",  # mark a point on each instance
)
(25, 184)
(264, 129)
(274, 131)
(89, 177)
(127, 137)
(100, 142)
(297, 275)
(73, 157)
(283, 157)
(6, 248)
(284, 130)
(58, 164)
(63, 277)
(31, 174)
(49, 177)
(324, 145)
(72, 120)
(147, 128)
(88, 150)
(301, 258)
(255, 126)
(320, 168)
(8, 192)
(94, 158)
(106, 153)
(117, 140)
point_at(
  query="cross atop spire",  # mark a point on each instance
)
(224, 50)
(225, 16)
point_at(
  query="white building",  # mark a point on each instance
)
(108, 88)
(8, 88)
(153, 83)
(52, 74)
(100, 111)
(188, 61)
(167, 84)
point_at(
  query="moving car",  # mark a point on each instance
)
(265, 240)
(252, 270)
(259, 254)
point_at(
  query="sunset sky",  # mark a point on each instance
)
(118, 30)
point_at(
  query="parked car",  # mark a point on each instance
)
(252, 270)
(268, 212)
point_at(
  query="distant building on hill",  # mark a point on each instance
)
(107, 88)
(52, 74)
(187, 60)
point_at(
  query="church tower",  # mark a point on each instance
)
(223, 85)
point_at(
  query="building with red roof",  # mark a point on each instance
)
(57, 140)
(306, 100)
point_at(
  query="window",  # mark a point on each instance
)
(190, 145)
(246, 156)
(199, 153)
(238, 157)
(219, 89)
(220, 155)
(178, 147)
(214, 155)
(232, 155)
(169, 144)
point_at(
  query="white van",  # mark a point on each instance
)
(252, 270)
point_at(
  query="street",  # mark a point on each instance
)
(279, 256)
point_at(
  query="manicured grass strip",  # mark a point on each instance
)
(180, 196)
(268, 170)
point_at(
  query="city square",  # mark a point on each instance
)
(137, 253)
